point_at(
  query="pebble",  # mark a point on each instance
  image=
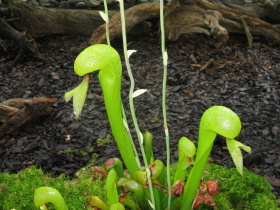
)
(277, 164)
(3, 141)
(31, 146)
(94, 3)
(275, 130)
(268, 160)
(48, 5)
(17, 150)
(74, 126)
(80, 5)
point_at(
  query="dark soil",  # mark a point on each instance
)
(243, 79)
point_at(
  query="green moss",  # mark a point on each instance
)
(102, 141)
(19, 190)
(90, 149)
(237, 192)
(67, 151)
(249, 191)
(82, 152)
(154, 120)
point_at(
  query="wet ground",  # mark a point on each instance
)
(247, 80)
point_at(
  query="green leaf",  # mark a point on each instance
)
(235, 152)
(79, 96)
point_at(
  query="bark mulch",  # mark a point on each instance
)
(247, 80)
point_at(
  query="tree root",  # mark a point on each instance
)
(18, 111)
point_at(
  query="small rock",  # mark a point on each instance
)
(109, 151)
(41, 82)
(48, 5)
(31, 146)
(275, 130)
(2, 142)
(74, 126)
(268, 160)
(80, 5)
(90, 130)
(17, 150)
(277, 164)
(265, 132)
(94, 3)
(102, 133)
(273, 181)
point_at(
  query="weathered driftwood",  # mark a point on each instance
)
(41, 21)
(232, 21)
(192, 16)
(181, 17)
(25, 42)
(18, 111)
(134, 16)
(263, 9)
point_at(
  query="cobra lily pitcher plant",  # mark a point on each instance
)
(147, 187)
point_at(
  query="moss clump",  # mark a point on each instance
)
(237, 192)
(249, 191)
(19, 189)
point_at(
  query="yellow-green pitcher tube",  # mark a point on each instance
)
(106, 59)
(215, 120)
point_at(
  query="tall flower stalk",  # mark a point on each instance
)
(165, 125)
(131, 104)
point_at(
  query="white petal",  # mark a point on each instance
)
(129, 52)
(138, 92)
(104, 16)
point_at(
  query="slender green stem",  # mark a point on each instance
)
(139, 134)
(107, 22)
(162, 27)
(165, 125)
